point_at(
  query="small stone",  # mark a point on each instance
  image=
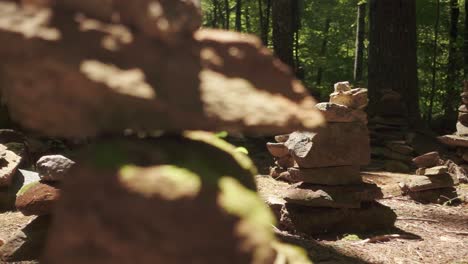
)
(9, 163)
(422, 183)
(37, 198)
(454, 141)
(434, 171)
(320, 199)
(355, 98)
(54, 168)
(427, 160)
(438, 196)
(341, 175)
(342, 87)
(28, 243)
(282, 138)
(400, 148)
(278, 150)
(341, 114)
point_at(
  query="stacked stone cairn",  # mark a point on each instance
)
(136, 195)
(459, 140)
(390, 136)
(316, 181)
(434, 180)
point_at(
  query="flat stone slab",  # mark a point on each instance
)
(356, 98)
(341, 114)
(341, 175)
(312, 221)
(454, 141)
(338, 144)
(438, 196)
(434, 171)
(422, 183)
(427, 160)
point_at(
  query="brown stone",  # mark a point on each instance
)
(355, 98)
(423, 183)
(28, 243)
(434, 171)
(438, 196)
(37, 199)
(341, 175)
(463, 118)
(341, 114)
(320, 198)
(285, 162)
(454, 141)
(214, 76)
(9, 163)
(278, 150)
(427, 160)
(338, 144)
(342, 87)
(308, 220)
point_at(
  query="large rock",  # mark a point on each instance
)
(9, 163)
(341, 114)
(54, 168)
(307, 220)
(454, 141)
(154, 194)
(28, 243)
(355, 98)
(213, 91)
(434, 171)
(423, 183)
(325, 176)
(338, 144)
(37, 198)
(427, 160)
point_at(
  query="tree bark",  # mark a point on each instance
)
(360, 37)
(228, 14)
(452, 69)
(392, 53)
(283, 30)
(434, 64)
(239, 15)
(465, 43)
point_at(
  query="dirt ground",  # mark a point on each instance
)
(432, 233)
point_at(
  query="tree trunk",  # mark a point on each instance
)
(297, 27)
(228, 14)
(434, 64)
(239, 15)
(283, 30)
(266, 23)
(360, 37)
(465, 43)
(392, 53)
(452, 96)
(323, 51)
(248, 24)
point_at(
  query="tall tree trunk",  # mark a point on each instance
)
(227, 11)
(266, 23)
(452, 96)
(283, 30)
(465, 43)
(215, 13)
(392, 53)
(297, 26)
(323, 51)
(360, 37)
(248, 24)
(434, 64)
(239, 15)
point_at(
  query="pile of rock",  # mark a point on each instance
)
(434, 180)
(324, 191)
(390, 136)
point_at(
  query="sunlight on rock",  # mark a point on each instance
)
(116, 35)
(30, 22)
(130, 82)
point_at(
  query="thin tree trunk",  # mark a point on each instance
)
(434, 64)
(360, 37)
(323, 51)
(228, 14)
(215, 13)
(248, 25)
(465, 43)
(452, 85)
(239, 15)
(283, 31)
(261, 19)
(297, 26)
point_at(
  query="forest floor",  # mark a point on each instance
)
(429, 233)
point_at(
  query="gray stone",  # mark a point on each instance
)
(422, 183)
(9, 163)
(355, 98)
(320, 198)
(28, 243)
(342, 87)
(341, 175)
(462, 130)
(341, 114)
(278, 150)
(338, 144)
(282, 138)
(54, 168)
(427, 160)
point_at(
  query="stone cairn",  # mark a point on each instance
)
(390, 136)
(459, 140)
(434, 180)
(117, 73)
(316, 185)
